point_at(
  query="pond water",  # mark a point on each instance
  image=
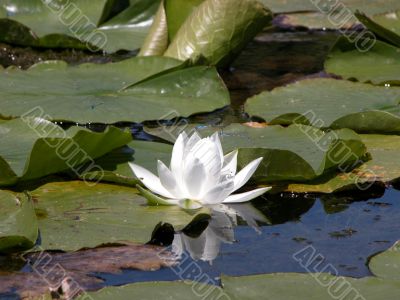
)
(344, 230)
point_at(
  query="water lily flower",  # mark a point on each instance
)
(199, 175)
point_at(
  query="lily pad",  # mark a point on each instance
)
(32, 148)
(76, 23)
(314, 286)
(159, 290)
(325, 14)
(95, 93)
(18, 224)
(128, 30)
(296, 153)
(386, 26)
(115, 167)
(379, 65)
(384, 166)
(387, 263)
(75, 215)
(330, 103)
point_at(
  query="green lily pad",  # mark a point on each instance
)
(384, 166)
(32, 148)
(76, 24)
(328, 15)
(387, 264)
(18, 224)
(115, 167)
(379, 65)
(128, 30)
(314, 286)
(95, 93)
(159, 290)
(330, 103)
(75, 215)
(386, 26)
(296, 153)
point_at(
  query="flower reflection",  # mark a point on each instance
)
(219, 230)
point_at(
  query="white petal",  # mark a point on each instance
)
(208, 154)
(151, 181)
(230, 164)
(168, 180)
(246, 196)
(177, 156)
(193, 140)
(244, 175)
(219, 193)
(217, 142)
(194, 178)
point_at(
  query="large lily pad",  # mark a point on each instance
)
(384, 166)
(32, 148)
(379, 65)
(75, 215)
(115, 167)
(325, 14)
(159, 290)
(297, 153)
(294, 286)
(94, 93)
(330, 103)
(18, 224)
(386, 26)
(75, 23)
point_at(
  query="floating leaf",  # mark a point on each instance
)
(75, 215)
(314, 286)
(328, 15)
(379, 65)
(383, 167)
(297, 153)
(115, 167)
(18, 224)
(75, 23)
(94, 93)
(128, 30)
(330, 103)
(32, 148)
(386, 26)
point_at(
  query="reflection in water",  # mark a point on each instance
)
(220, 229)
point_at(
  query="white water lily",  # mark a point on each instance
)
(199, 175)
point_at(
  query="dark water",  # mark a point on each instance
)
(344, 230)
